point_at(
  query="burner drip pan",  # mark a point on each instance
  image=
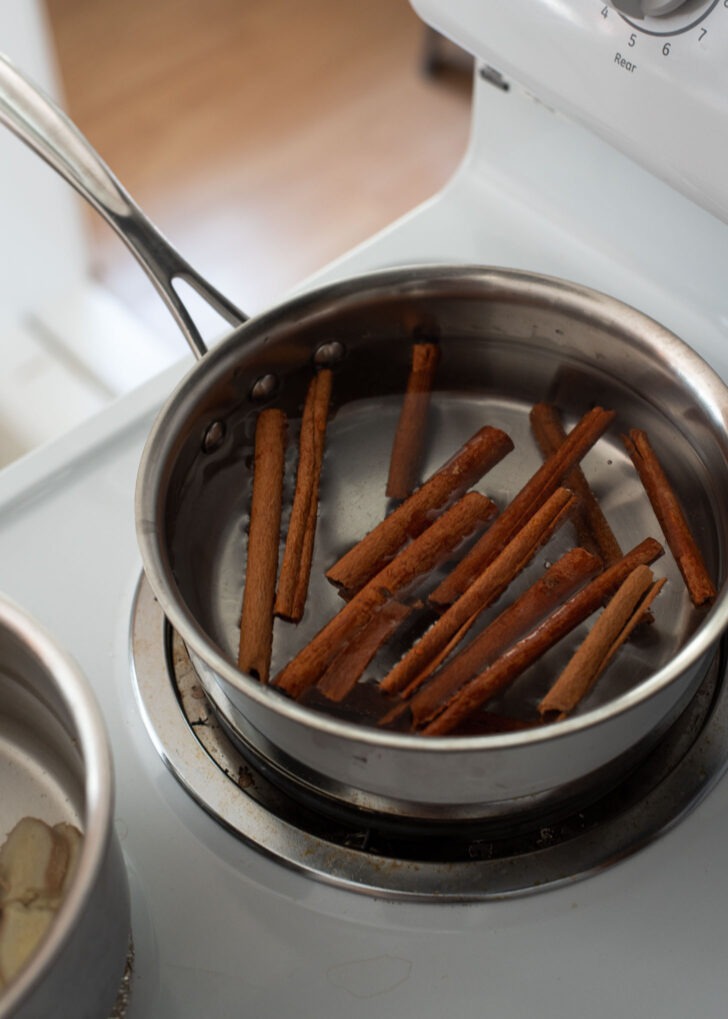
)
(470, 861)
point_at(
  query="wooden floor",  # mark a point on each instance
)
(264, 139)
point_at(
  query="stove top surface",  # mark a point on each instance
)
(222, 928)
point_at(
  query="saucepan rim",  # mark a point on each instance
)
(693, 368)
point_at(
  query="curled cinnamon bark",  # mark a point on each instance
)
(256, 627)
(423, 656)
(534, 493)
(344, 672)
(592, 527)
(416, 560)
(477, 456)
(559, 581)
(298, 553)
(498, 676)
(624, 610)
(408, 445)
(671, 517)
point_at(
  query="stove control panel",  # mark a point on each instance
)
(664, 17)
(649, 76)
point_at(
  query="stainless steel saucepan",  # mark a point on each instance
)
(56, 770)
(508, 340)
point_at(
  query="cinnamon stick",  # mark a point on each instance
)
(484, 591)
(344, 672)
(533, 494)
(416, 560)
(256, 626)
(624, 610)
(298, 553)
(477, 456)
(408, 445)
(402, 701)
(671, 518)
(498, 676)
(559, 581)
(592, 527)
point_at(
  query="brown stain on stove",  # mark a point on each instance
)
(368, 978)
(181, 664)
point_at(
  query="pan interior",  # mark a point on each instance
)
(41, 776)
(498, 358)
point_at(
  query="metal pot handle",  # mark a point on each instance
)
(39, 122)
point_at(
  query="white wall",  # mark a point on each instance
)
(42, 247)
(67, 346)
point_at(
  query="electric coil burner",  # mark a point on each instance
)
(470, 861)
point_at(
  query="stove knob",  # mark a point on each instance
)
(648, 8)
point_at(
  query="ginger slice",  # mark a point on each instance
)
(37, 864)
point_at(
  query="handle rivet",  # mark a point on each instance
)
(329, 353)
(213, 437)
(264, 387)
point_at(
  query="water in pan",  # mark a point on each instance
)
(352, 501)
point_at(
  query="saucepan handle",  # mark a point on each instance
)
(43, 126)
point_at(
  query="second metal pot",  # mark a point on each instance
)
(56, 766)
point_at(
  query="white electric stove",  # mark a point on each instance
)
(595, 158)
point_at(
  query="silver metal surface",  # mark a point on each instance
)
(55, 764)
(508, 339)
(470, 862)
(37, 121)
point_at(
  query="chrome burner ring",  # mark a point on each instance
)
(469, 864)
